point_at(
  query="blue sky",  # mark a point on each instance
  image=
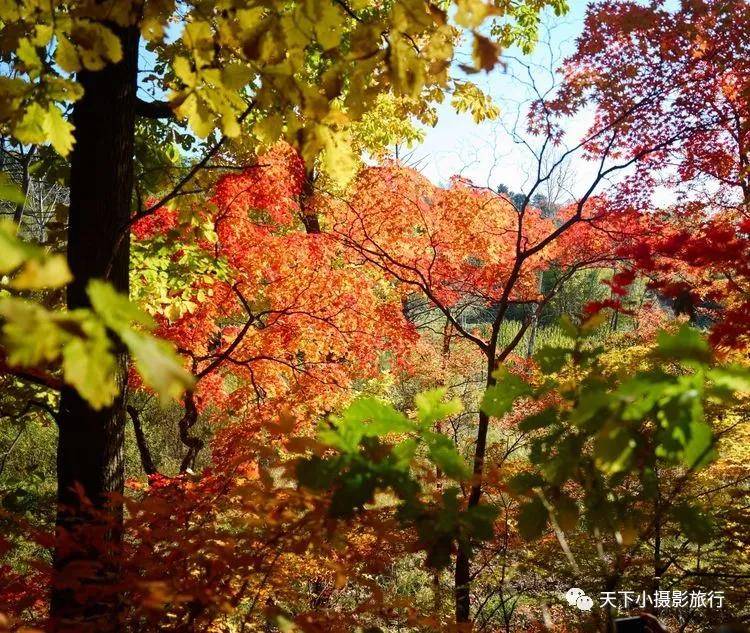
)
(486, 153)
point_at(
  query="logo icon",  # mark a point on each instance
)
(577, 598)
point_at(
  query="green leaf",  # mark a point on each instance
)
(613, 448)
(89, 366)
(116, 310)
(30, 335)
(592, 400)
(10, 191)
(560, 466)
(284, 624)
(480, 521)
(695, 524)
(730, 379)
(552, 359)
(404, 452)
(365, 417)
(525, 482)
(641, 394)
(570, 328)
(431, 408)
(532, 519)
(158, 364)
(354, 489)
(499, 398)
(316, 473)
(444, 454)
(539, 420)
(49, 272)
(686, 344)
(699, 447)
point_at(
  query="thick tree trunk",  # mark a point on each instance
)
(90, 445)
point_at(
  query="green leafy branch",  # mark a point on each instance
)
(600, 432)
(372, 447)
(79, 345)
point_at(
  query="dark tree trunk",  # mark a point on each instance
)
(147, 461)
(309, 217)
(462, 577)
(659, 567)
(194, 444)
(90, 445)
(462, 582)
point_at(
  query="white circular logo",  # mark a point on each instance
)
(573, 594)
(577, 598)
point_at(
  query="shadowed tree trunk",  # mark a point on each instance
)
(462, 578)
(310, 218)
(90, 445)
(147, 461)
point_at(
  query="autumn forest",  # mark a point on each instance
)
(374, 315)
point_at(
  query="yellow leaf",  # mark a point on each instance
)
(229, 125)
(408, 67)
(29, 333)
(268, 129)
(467, 97)
(158, 364)
(89, 366)
(329, 23)
(59, 131)
(197, 33)
(27, 54)
(12, 251)
(183, 70)
(249, 18)
(440, 47)
(66, 56)
(96, 44)
(295, 37)
(411, 15)
(30, 131)
(156, 14)
(235, 76)
(42, 35)
(337, 159)
(51, 272)
(59, 89)
(198, 38)
(471, 13)
(198, 115)
(10, 192)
